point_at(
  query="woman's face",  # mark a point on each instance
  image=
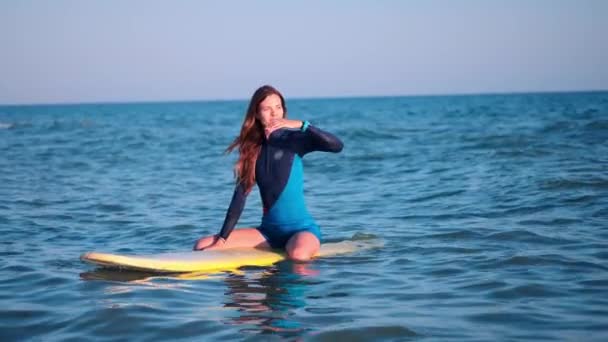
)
(270, 108)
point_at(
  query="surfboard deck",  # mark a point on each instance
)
(211, 261)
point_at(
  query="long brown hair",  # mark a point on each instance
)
(251, 137)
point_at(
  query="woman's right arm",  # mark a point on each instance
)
(234, 211)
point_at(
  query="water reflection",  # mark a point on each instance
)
(116, 275)
(267, 301)
(264, 300)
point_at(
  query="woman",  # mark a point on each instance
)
(270, 151)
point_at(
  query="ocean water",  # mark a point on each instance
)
(493, 210)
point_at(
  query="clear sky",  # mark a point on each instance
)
(118, 51)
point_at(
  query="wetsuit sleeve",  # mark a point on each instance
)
(234, 210)
(315, 139)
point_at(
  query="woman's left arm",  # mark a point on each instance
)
(310, 138)
(316, 139)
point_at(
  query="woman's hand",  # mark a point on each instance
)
(209, 242)
(275, 124)
(218, 244)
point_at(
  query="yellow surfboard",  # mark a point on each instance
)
(212, 261)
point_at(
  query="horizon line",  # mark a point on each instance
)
(120, 102)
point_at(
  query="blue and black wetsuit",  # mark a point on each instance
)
(279, 175)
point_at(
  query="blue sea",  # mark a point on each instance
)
(493, 210)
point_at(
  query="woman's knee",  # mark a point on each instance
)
(302, 246)
(300, 254)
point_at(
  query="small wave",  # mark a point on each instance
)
(21, 269)
(446, 272)
(498, 142)
(601, 255)
(558, 127)
(36, 203)
(442, 194)
(529, 151)
(603, 283)
(524, 236)
(4, 125)
(387, 332)
(600, 213)
(379, 156)
(376, 134)
(507, 318)
(519, 211)
(551, 222)
(457, 235)
(599, 125)
(485, 285)
(571, 184)
(183, 227)
(109, 207)
(582, 199)
(441, 250)
(359, 236)
(8, 254)
(462, 250)
(545, 260)
(525, 291)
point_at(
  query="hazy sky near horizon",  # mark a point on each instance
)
(116, 51)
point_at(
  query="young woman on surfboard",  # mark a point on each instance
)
(271, 148)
